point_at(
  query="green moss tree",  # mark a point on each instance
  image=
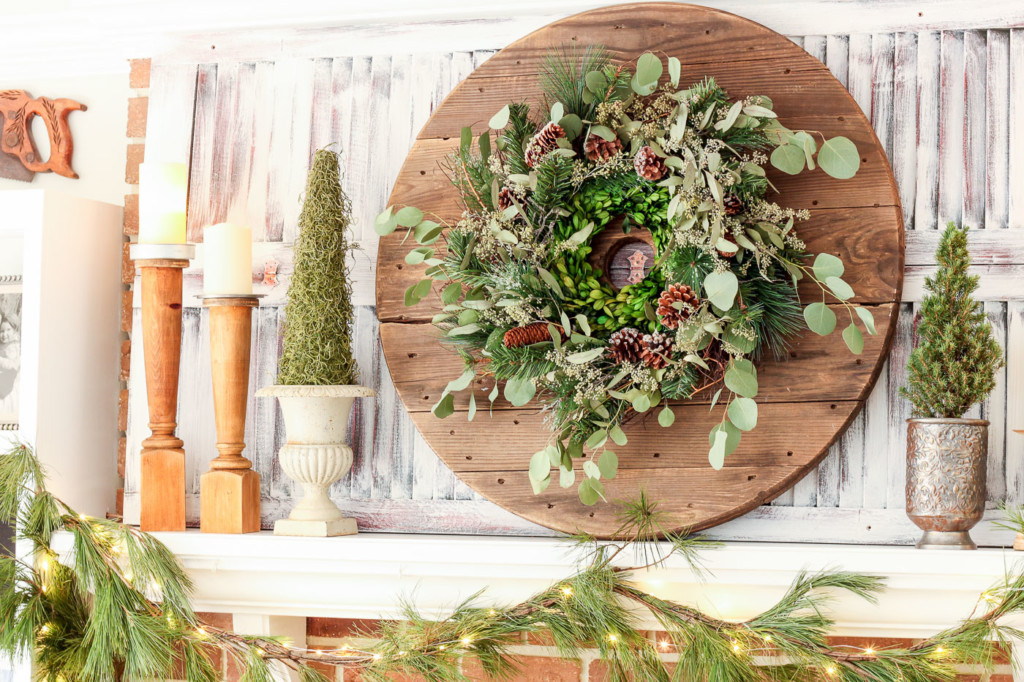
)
(954, 363)
(318, 316)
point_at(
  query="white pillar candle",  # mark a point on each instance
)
(227, 260)
(163, 192)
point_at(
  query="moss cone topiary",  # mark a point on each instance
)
(954, 363)
(318, 316)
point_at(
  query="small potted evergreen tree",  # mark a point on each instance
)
(316, 379)
(952, 368)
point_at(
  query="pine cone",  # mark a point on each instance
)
(535, 332)
(733, 205)
(672, 314)
(504, 198)
(648, 164)
(542, 143)
(625, 345)
(656, 349)
(600, 150)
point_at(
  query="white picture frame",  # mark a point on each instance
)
(11, 317)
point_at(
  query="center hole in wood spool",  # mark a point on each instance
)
(622, 258)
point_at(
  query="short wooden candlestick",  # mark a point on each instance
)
(229, 494)
(162, 461)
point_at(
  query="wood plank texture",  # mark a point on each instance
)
(375, 130)
(748, 59)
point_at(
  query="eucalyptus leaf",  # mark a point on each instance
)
(484, 143)
(472, 407)
(519, 391)
(826, 265)
(500, 119)
(597, 439)
(550, 280)
(416, 292)
(854, 339)
(604, 132)
(674, 70)
(588, 495)
(451, 293)
(465, 139)
(714, 399)
(608, 464)
(732, 436)
(470, 328)
(572, 125)
(789, 159)
(586, 356)
(566, 477)
(557, 112)
(409, 216)
(839, 158)
(716, 456)
(666, 417)
(730, 117)
(743, 413)
(820, 318)
(839, 288)
(462, 382)
(385, 222)
(444, 407)
(867, 318)
(741, 380)
(720, 288)
(642, 402)
(591, 469)
(618, 435)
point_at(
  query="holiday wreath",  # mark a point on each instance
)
(522, 302)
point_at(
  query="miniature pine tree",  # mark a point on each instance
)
(318, 316)
(954, 363)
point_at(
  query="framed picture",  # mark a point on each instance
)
(10, 350)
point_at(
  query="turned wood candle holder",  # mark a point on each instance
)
(229, 494)
(162, 462)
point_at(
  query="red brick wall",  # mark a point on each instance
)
(138, 107)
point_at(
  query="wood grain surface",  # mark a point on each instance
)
(806, 402)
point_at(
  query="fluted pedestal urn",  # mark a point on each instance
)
(946, 479)
(316, 454)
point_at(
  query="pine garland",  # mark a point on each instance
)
(956, 358)
(318, 315)
(119, 609)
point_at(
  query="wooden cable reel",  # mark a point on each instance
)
(804, 403)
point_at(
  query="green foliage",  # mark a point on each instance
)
(119, 609)
(562, 77)
(954, 363)
(318, 316)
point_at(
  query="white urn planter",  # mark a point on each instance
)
(316, 454)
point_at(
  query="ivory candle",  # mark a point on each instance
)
(163, 191)
(227, 260)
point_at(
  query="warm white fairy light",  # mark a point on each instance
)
(492, 613)
(736, 646)
(612, 637)
(831, 670)
(377, 657)
(567, 591)
(45, 629)
(467, 640)
(663, 644)
(869, 652)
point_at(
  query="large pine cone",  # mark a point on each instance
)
(535, 332)
(648, 164)
(733, 205)
(600, 150)
(542, 143)
(625, 345)
(657, 348)
(676, 304)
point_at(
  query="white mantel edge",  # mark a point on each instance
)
(368, 575)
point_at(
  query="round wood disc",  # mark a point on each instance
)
(805, 402)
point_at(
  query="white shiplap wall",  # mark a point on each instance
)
(948, 106)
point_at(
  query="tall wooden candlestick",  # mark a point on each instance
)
(229, 494)
(162, 462)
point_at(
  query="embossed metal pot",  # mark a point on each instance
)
(946, 465)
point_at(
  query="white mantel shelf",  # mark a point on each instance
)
(366, 576)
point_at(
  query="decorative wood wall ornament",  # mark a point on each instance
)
(17, 109)
(805, 403)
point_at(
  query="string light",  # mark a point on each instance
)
(45, 629)
(377, 657)
(663, 644)
(768, 638)
(492, 613)
(466, 641)
(869, 652)
(612, 637)
(831, 670)
(736, 646)
(567, 591)
(939, 650)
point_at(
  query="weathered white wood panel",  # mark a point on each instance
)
(948, 106)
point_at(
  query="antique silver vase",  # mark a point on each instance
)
(946, 467)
